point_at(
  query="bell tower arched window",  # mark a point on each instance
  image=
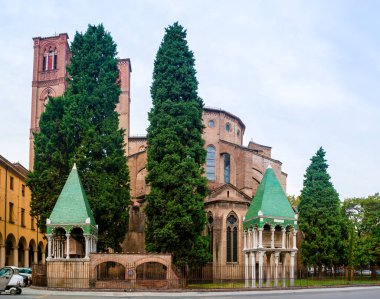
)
(232, 235)
(49, 62)
(210, 163)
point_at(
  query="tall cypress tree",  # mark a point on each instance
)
(88, 124)
(321, 219)
(91, 124)
(51, 161)
(175, 205)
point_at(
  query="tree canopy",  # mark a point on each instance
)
(320, 217)
(364, 220)
(175, 205)
(90, 137)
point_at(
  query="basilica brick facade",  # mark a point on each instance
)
(234, 171)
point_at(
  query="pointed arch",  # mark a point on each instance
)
(232, 223)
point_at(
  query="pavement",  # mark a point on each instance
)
(374, 292)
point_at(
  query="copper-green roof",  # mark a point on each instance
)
(270, 204)
(72, 206)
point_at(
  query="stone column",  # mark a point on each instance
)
(276, 258)
(268, 278)
(26, 258)
(284, 270)
(288, 240)
(260, 245)
(283, 230)
(49, 247)
(245, 240)
(246, 268)
(291, 270)
(43, 256)
(67, 246)
(15, 256)
(261, 262)
(294, 239)
(2, 256)
(253, 268)
(272, 237)
(87, 247)
(35, 256)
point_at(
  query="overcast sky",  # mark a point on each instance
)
(299, 74)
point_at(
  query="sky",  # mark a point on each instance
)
(299, 74)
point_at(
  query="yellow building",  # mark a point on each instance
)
(21, 244)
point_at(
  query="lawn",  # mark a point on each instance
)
(303, 283)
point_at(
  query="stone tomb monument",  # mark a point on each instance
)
(72, 260)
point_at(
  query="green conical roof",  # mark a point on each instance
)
(270, 204)
(72, 206)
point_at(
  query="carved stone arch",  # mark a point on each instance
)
(152, 260)
(111, 259)
(44, 98)
(49, 45)
(58, 229)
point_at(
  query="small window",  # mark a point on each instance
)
(23, 190)
(238, 133)
(11, 182)
(32, 223)
(228, 127)
(23, 217)
(211, 123)
(11, 218)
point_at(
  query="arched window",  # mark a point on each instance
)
(227, 167)
(50, 59)
(210, 233)
(210, 163)
(232, 236)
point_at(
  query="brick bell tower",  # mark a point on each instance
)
(51, 56)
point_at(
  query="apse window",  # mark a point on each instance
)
(211, 123)
(228, 127)
(232, 243)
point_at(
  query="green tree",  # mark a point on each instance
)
(294, 200)
(51, 161)
(175, 205)
(364, 220)
(89, 126)
(320, 217)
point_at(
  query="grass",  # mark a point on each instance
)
(314, 282)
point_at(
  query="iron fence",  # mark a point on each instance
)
(151, 276)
